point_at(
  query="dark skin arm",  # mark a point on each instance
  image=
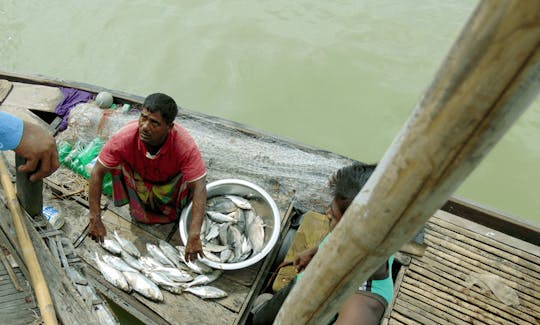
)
(39, 149)
(303, 258)
(97, 230)
(194, 244)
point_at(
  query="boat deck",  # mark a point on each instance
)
(468, 274)
(16, 306)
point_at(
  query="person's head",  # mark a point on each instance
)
(345, 185)
(157, 118)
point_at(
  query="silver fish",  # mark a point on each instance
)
(240, 202)
(112, 246)
(241, 220)
(255, 234)
(149, 263)
(214, 248)
(117, 263)
(171, 252)
(213, 232)
(127, 245)
(177, 289)
(174, 274)
(112, 275)
(220, 204)
(204, 279)
(210, 256)
(199, 267)
(158, 255)
(160, 279)
(226, 255)
(144, 286)
(207, 292)
(132, 261)
(220, 217)
(223, 231)
(235, 240)
(246, 246)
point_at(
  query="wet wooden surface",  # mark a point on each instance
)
(445, 286)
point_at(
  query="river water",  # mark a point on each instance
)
(339, 75)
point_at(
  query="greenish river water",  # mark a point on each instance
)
(339, 75)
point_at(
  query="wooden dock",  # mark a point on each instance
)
(468, 274)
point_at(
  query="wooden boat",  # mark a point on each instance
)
(462, 240)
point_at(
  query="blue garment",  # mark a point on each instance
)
(11, 130)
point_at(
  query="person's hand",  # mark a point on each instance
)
(39, 149)
(193, 249)
(303, 258)
(97, 230)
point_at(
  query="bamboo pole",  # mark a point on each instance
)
(38, 281)
(490, 76)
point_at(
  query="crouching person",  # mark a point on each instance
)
(368, 304)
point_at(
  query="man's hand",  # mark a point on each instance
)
(97, 230)
(39, 149)
(303, 258)
(193, 248)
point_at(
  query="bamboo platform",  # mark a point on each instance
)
(16, 306)
(438, 288)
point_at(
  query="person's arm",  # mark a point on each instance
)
(97, 230)
(194, 244)
(303, 258)
(29, 141)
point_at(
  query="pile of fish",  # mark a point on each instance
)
(231, 231)
(163, 267)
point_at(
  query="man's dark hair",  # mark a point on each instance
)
(348, 181)
(159, 102)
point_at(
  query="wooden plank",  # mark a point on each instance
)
(395, 321)
(489, 218)
(70, 308)
(402, 319)
(442, 259)
(445, 304)
(458, 281)
(397, 285)
(518, 251)
(24, 96)
(461, 256)
(475, 250)
(410, 315)
(427, 313)
(5, 88)
(486, 302)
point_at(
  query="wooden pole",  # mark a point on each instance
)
(45, 304)
(490, 76)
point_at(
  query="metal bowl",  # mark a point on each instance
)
(264, 206)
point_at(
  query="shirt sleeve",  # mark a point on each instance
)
(11, 131)
(194, 165)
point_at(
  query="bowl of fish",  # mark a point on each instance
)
(240, 227)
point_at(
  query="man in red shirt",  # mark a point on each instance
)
(156, 168)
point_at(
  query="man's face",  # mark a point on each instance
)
(333, 213)
(153, 129)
